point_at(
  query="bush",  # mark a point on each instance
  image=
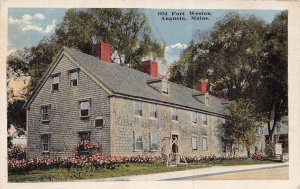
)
(93, 159)
(17, 152)
(209, 158)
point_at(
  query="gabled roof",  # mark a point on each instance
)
(130, 83)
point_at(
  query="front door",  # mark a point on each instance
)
(174, 147)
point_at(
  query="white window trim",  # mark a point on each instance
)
(153, 133)
(52, 76)
(204, 149)
(48, 143)
(42, 114)
(90, 107)
(202, 120)
(70, 72)
(150, 105)
(134, 138)
(195, 117)
(194, 149)
(175, 120)
(134, 106)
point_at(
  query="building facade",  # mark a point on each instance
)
(123, 111)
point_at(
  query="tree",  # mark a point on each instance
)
(125, 29)
(228, 57)
(273, 91)
(242, 124)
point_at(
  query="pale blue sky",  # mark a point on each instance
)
(28, 26)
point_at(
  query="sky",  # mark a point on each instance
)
(28, 26)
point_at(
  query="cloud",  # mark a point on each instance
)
(172, 52)
(26, 25)
(177, 46)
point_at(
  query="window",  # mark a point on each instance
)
(194, 117)
(152, 110)
(45, 143)
(85, 136)
(165, 87)
(153, 142)
(73, 78)
(194, 143)
(138, 108)
(138, 141)
(45, 110)
(174, 114)
(99, 122)
(207, 101)
(204, 144)
(55, 82)
(204, 119)
(84, 108)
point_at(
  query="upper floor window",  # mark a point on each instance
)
(165, 87)
(73, 78)
(138, 141)
(194, 143)
(45, 142)
(204, 119)
(138, 108)
(153, 110)
(55, 82)
(174, 114)
(207, 101)
(45, 110)
(194, 117)
(84, 108)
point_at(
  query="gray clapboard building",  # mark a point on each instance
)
(121, 110)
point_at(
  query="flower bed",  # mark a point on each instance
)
(210, 158)
(84, 155)
(17, 152)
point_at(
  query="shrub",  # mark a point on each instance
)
(17, 152)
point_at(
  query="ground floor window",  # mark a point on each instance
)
(194, 143)
(153, 142)
(138, 141)
(85, 136)
(204, 144)
(45, 142)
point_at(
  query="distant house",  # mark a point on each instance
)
(281, 134)
(122, 110)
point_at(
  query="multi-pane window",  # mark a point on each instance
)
(45, 143)
(138, 141)
(84, 108)
(194, 143)
(84, 136)
(153, 110)
(153, 142)
(165, 87)
(204, 144)
(204, 119)
(45, 110)
(174, 114)
(99, 122)
(73, 78)
(194, 117)
(138, 108)
(55, 82)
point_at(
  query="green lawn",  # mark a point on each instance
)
(122, 170)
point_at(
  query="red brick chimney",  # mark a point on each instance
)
(201, 86)
(102, 50)
(150, 67)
